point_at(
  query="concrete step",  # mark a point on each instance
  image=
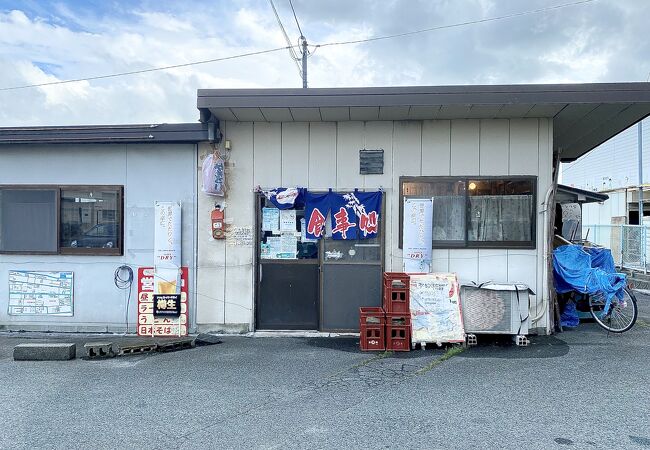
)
(45, 352)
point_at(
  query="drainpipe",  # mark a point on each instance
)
(640, 161)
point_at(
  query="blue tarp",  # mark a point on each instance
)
(587, 270)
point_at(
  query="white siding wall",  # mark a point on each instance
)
(148, 172)
(321, 155)
(602, 213)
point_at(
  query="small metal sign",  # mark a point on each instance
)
(167, 305)
(371, 162)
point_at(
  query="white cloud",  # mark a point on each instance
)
(601, 41)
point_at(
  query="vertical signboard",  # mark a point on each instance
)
(167, 248)
(436, 309)
(150, 325)
(418, 232)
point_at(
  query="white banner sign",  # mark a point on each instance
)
(167, 248)
(418, 233)
(435, 309)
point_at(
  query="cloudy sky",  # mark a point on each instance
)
(42, 41)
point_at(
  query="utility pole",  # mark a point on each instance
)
(640, 158)
(304, 61)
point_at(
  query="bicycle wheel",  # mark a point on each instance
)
(622, 313)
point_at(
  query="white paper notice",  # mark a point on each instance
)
(287, 220)
(289, 246)
(270, 219)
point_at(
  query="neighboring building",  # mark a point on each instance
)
(81, 199)
(613, 164)
(485, 154)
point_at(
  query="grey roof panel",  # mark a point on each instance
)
(178, 132)
(582, 113)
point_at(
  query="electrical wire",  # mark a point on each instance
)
(296, 17)
(454, 25)
(153, 69)
(289, 46)
(123, 284)
(292, 52)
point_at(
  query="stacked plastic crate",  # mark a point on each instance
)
(388, 328)
(372, 328)
(398, 311)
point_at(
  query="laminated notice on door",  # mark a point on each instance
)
(436, 308)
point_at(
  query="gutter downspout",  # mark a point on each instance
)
(549, 199)
(546, 289)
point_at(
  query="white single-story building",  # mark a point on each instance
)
(486, 155)
(80, 200)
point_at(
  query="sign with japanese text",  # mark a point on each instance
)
(167, 248)
(418, 233)
(436, 309)
(166, 305)
(167, 235)
(150, 325)
(37, 293)
(353, 215)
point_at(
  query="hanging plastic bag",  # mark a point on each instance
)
(214, 175)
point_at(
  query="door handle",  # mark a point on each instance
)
(261, 276)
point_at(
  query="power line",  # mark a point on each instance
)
(291, 47)
(292, 52)
(296, 17)
(153, 69)
(455, 25)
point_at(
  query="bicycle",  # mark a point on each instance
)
(622, 313)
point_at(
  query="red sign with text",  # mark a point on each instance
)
(148, 325)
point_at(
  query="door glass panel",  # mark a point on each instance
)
(281, 237)
(352, 250)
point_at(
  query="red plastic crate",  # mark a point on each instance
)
(397, 280)
(397, 300)
(372, 328)
(396, 292)
(372, 315)
(372, 337)
(398, 332)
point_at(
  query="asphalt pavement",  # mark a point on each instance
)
(578, 389)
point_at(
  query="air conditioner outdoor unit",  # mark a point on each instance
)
(496, 308)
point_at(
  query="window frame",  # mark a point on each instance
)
(118, 250)
(467, 244)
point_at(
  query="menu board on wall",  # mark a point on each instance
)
(148, 324)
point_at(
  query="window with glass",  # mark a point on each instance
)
(282, 234)
(61, 219)
(488, 212)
